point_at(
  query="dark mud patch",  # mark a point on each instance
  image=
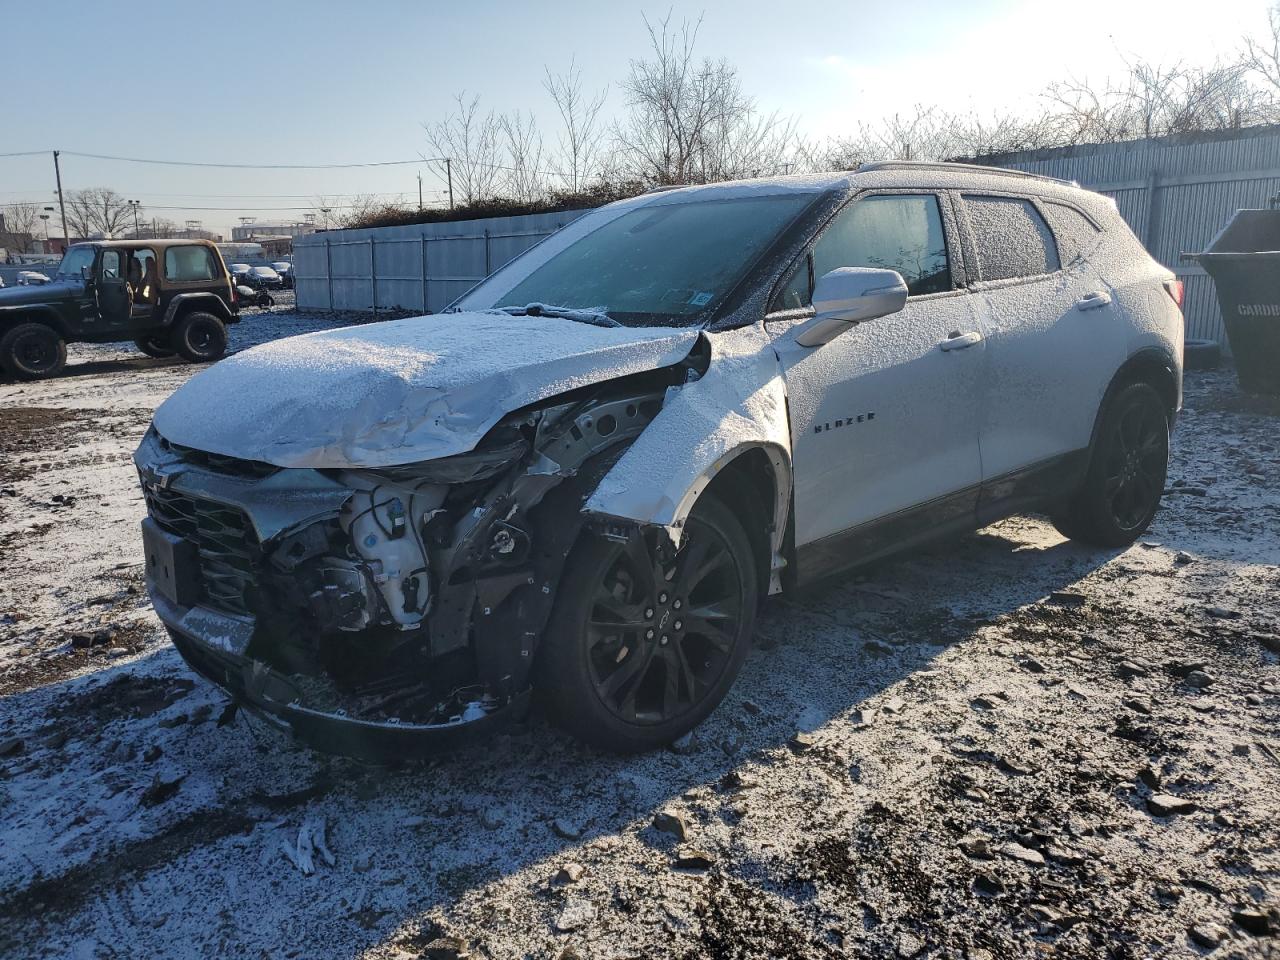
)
(28, 434)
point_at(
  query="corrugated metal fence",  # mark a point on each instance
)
(1176, 193)
(418, 267)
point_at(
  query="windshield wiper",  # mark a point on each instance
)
(595, 316)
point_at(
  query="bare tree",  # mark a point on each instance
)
(470, 140)
(1153, 100)
(689, 120)
(98, 211)
(521, 144)
(582, 136)
(19, 226)
(1261, 57)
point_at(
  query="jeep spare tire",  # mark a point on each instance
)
(32, 351)
(158, 347)
(199, 337)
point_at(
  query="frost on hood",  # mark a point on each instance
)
(402, 391)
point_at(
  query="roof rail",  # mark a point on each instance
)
(969, 167)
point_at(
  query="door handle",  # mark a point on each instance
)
(960, 341)
(1092, 301)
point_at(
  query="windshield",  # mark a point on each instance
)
(74, 261)
(665, 264)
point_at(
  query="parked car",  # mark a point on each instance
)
(285, 270)
(580, 481)
(263, 278)
(239, 272)
(31, 278)
(167, 296)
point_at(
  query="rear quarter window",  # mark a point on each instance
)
(189, 263)
(1076, 233)
(1012, 238)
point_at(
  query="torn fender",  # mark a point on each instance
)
(739, 404)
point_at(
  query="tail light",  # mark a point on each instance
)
(1174, 289)
(233, 293)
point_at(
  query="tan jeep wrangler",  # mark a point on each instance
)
(167, 296)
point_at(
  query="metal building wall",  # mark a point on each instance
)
(1176, 193)
(418, 267)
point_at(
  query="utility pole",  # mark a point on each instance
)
(57, 172)
(137, 230)
(448, 172)
(419, 191)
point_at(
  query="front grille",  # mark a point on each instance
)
(225, 539)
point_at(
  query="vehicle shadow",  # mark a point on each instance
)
(418, 839)
(97, 368)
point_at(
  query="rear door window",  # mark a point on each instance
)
(188, 263)
(1012, 238)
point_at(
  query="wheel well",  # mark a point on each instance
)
(9, 321)
(204, 304)
(748, 487)
(1149, 367)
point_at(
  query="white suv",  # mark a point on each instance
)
(581, 480)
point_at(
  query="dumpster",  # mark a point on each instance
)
(1244, 262)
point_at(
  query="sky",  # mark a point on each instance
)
(338, 82)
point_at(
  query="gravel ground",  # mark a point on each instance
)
(1008, 746)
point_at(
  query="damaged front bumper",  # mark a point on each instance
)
(215, 644)
(379, 614)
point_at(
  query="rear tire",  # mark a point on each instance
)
(199, 337)
(635, 656)
(157, 347)
(33, 351)
(1122, 490)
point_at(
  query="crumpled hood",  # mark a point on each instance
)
(402, 391)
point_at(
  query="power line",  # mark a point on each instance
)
(241, 196)
(287, 166)
(254, 166)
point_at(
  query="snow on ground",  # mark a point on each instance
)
(963, 753)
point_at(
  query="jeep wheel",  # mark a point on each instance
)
(199, 337)
(1122, 490)
(157, 347)
(640, 651)
(32, 351)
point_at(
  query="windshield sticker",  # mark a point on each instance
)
(701, 298)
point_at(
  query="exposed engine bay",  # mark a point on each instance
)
(406, 597)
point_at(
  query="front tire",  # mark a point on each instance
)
(199, 337)
(1122, 490)
(32, 351)
(639, 651)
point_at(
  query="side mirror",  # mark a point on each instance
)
(848, 296)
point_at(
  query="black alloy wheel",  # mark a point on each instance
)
(1136, 459)
(1122, 490)
(644, 643)
(661, 634)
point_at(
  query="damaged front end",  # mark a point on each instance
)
(390, 612)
